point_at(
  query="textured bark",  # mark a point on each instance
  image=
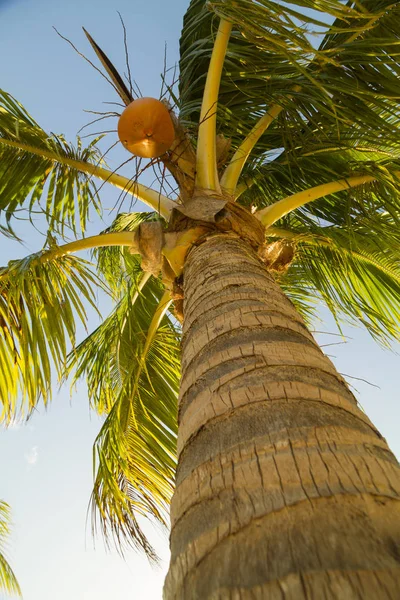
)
(285, 489)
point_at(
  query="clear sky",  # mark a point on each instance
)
(45, 466)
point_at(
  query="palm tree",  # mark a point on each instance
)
(8, 581)
(286, 159)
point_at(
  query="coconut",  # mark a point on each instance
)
(145, 128)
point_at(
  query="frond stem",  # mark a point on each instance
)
(160, 203)
(232, 172)
(119, 238)
(268, 216)
(122, 238)
(242, 187)
(206, 160)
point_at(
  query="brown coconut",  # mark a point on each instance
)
(145, 128)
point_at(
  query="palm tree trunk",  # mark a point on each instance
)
(285, 489)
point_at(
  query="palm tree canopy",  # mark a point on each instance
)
(343, 116)
(326, 74)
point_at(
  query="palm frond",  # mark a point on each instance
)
(40, 302)
(278, 180)
(117, 265)
(383, 195)
(134, 382)
(301, 294)
(8, 581)
(33, 174)
(330, 94)
(355, 272)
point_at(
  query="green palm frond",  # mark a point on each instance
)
(40, 302)
(279, 179)
(346, 96)
(302, 295)
(8, 581)
(33, 173)
(135, 385)
(272, 47)
(116, 265)
(356, 273)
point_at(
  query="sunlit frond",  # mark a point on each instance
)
(8, 581)
(347, 88)
(42, 182)
(278, 179)
(135, 385)
(356, 273)
(40, 303)
(116, 265)
(302, 295)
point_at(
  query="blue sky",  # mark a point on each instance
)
(45, 466)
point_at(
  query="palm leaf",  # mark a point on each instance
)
(116, 265)
(34, 176)
(278, 181)
(355, 273)
(345, 94)
(8, 581)
(301, 294)
(40, 302)
(135, 385)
